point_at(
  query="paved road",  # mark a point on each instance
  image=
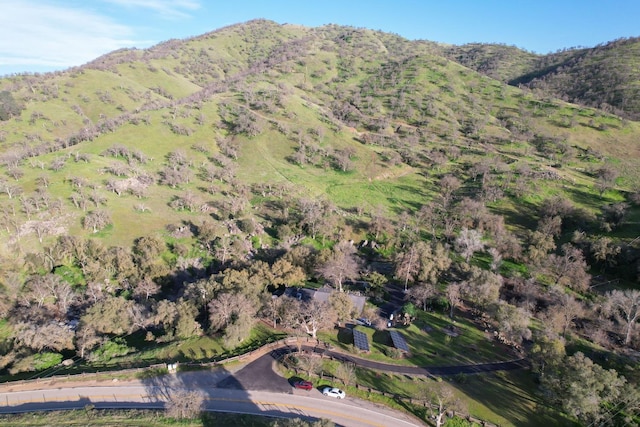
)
(349, 412)
(254, 388)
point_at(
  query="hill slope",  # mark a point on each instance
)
(606, 76)
(156, 195)
(360, 117)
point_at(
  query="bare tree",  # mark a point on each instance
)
(146, 288)
(185, 404)
(97, 220)
(239, 330)
(51, 335)
(86, 340)
(421, 293)
(469, 242)
(42, 228)
(380, 224)
(564, 312)
(625, 307)
(221, 309)
(606, 178)
(346, 372)
(407, 264)
(342, 265)
(310, 363)
(448, 184)
(443, 400)
(454, 296)
(313, 316)
(569, 268)
(496, 259)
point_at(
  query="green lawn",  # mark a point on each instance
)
(503, 398)
(428, 342)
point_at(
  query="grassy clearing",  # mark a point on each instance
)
(434, 340)
(507, 398)
(198, 349)
(503, 398)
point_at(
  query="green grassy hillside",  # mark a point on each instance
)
(148, 193)
(403, 115)
(606, 76)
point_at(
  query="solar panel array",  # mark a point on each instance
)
(398, 341)
(360, 340)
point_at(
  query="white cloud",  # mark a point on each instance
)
(35, 34)
(165, 8)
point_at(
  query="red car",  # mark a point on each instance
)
(305, 385)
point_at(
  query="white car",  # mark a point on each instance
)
(333, 392)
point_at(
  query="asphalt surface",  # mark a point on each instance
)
(147, 394)
(253, 388)
(258, 375)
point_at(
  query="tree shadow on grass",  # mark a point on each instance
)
(382, 337)
(345, 336)
(513, 397)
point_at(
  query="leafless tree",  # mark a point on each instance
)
(448, 184)
(379, 224)
(42, 228)
(606, 178)
(342, 264)
(228, 307)
(310, 363)
(469, 242)
(496, 259)
(443, 400)
(221, 310)
(185, 404)
(146, 288)
(454, 296)
(97, 220)
(624, 305)
(564, 312)
(86, 340)
(50, 335)
(313, 316)
(408, 264)
(569, 268)
(421, 293)
(346, 372)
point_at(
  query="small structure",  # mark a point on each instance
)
(360, 340)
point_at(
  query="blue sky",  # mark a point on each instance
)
(44, 35)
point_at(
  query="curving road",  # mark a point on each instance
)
(154, 394)
(253, 388)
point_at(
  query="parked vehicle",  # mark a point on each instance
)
(363, 321)
(333, 392)
(304, 385)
